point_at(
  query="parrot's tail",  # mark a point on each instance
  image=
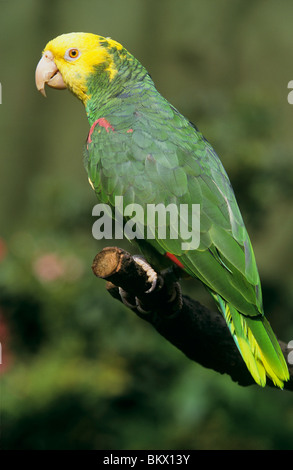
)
(257, 344)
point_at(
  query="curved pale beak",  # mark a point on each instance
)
(47, 73)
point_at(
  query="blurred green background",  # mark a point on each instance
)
(80, 371)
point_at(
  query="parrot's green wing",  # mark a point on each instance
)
(159, 157)
(147, 152)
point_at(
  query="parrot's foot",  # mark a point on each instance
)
(145, 304)
(131, 301)
(152, 278)
(150, 272)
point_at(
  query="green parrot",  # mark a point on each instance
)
(140, 147)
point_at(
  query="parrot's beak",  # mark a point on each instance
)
(47, 72)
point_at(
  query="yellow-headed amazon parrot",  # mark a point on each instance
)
(140, 147)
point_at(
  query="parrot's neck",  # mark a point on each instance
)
(107, 96)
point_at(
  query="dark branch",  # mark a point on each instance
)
(202, 335)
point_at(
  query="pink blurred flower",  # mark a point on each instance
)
(49, 267)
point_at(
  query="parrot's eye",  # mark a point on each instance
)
(72, 54)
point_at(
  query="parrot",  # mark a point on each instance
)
(141, 147)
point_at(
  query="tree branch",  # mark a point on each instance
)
(202, 335)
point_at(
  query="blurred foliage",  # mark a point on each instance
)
(78, 370)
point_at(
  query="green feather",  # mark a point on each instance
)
(257, 344)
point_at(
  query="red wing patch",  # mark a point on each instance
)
(102, 122)
(174, 259)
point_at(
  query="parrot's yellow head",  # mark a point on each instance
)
(70, 59)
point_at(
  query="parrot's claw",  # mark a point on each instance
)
(176, 297)
(150, 272)
(125, 297)
(140, 308)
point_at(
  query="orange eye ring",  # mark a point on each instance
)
(73, 53)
